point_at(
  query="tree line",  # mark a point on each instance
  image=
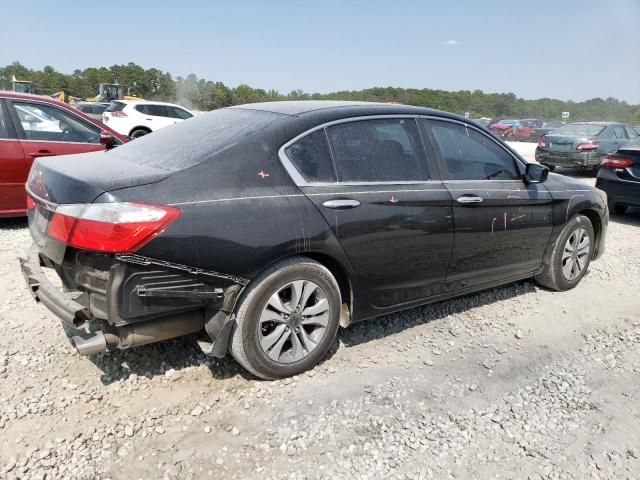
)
(201, 94)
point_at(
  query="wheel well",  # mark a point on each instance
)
(139, 128)
(338, 272)
(594, 218)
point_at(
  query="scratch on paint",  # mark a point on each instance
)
(566, 216)
(493, 224)
(505, 221)
(516, 218)
(393, 199)
(513, 196)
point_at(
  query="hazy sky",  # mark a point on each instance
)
(567, 49)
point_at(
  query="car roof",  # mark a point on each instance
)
(350, 109)
(151, 102)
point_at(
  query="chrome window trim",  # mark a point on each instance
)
(300, 181)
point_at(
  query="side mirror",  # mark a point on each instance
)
(536, 173)
(107, 140)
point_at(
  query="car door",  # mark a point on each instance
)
(372, 183)
(46, 130)
(13, 168)
(159, 116)
(502, 224)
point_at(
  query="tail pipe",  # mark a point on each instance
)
(136, 334)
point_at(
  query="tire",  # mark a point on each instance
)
(138, 132)
(550, 167)
(553, 277)
(250, 337)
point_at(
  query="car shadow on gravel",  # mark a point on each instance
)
(157, 359)
(13, 223)
(631, 217)
(388, 325)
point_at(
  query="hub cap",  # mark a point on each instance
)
(576, 253)
(294, 321)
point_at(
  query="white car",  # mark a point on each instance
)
(136, 118)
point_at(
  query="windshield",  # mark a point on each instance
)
(208, 135)
(509, 122)
(580, 130)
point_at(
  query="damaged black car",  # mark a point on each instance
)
(266, 227)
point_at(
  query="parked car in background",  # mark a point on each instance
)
(135, 118)
(582, 144)
(619, 177)
(483, 122)
(547, 127)
(268, 225)
(92, 109)
(505, 128)
(523, 133)
(533, 122)
(33, 126)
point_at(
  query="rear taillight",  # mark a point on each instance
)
(119, 114)
(588, 147)
(31, 204)
(542, 143)
(615, 161)
(110, 227)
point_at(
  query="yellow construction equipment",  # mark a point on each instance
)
(111, 91)
(63, 96)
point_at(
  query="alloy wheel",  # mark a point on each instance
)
(576, 253)
(293, 321)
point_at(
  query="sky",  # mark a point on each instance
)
(566, 49)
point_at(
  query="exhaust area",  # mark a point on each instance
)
(133, 335)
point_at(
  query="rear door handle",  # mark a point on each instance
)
(469, 199)
(41, 153)
(342, 204)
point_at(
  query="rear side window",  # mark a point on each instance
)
(176, 112)
(470, 155)
(618, 132)
(116, 107)
(157, 110)
(381, 150)
(310, 155)
(631, 133)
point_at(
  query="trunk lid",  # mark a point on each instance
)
(564, 143)
(79, 178)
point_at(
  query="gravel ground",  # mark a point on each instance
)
(517, 382)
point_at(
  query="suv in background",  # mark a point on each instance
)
(136, 118)
(92, 109)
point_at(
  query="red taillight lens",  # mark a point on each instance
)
(615, 161)
(542, 143)
(31, 204)
(588, 147)
(110, 227)
(118, 114)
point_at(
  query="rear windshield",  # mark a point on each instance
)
(186, 144)
(580, 130)
(115, 107)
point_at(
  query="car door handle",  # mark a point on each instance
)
(469, 199)
(342, 204)
(41, 153)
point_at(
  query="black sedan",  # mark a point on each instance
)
(619, 177)
(267, 226)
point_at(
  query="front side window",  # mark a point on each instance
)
(470, 155)
(156, 110)
(380, 150)
(310, 155)
(49, 123)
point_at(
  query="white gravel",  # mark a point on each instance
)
(517, 382)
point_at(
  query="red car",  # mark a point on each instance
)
(32, 126)
(525, 132)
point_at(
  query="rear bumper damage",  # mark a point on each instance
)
(134, 300)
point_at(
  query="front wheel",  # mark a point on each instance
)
(569, 258)
(140, 132)
(287, 319)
